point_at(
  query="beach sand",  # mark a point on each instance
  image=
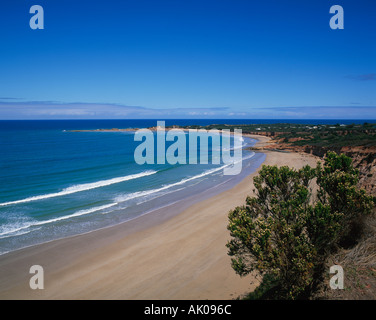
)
(173, 253)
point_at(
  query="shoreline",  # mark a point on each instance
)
(182, 200)
(144, 258)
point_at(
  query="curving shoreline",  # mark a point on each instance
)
(175, 253)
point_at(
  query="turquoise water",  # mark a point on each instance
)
(55, 183)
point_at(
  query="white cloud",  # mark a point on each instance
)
(55, 110)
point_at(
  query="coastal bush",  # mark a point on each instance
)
(338, 180)
(285, 234)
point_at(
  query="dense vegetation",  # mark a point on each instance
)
(337, 135)
(286, 232)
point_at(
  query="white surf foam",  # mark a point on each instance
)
(81, 187)
(139, 194)
(13, 230)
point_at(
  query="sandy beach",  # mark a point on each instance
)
(173, 253)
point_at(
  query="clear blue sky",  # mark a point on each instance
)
(187, 59)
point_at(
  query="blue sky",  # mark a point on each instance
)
(188, 59)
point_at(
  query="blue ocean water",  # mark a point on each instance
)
(55, 183)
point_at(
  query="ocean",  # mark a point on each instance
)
(56, 183)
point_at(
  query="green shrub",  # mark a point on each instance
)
(338, 181)
(286, 236)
